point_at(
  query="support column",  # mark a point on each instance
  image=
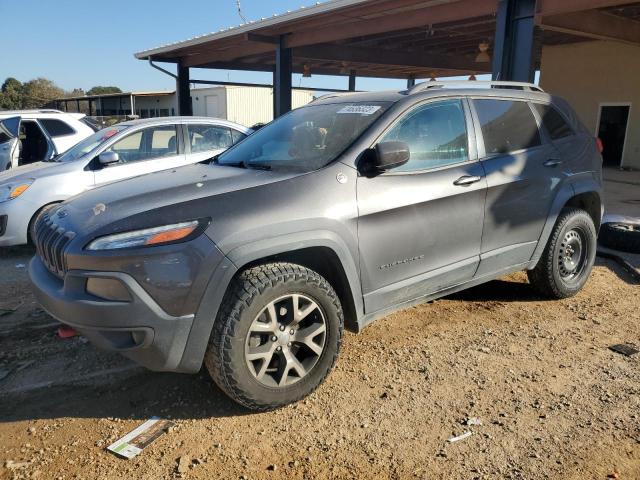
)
(411, 81)
(90, 107)
(282, 80)
(514, 40)
(352, 81)
(183, 92)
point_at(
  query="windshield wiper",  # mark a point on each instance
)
(258, 166)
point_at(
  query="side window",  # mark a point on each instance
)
(237, 136)
(205, 137)
(553, 122)
(507, 125)
(436, 134)
(56, 128)
(153, 142)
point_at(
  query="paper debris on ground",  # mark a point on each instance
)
(134, 442)
(459, 437)
(624, 349)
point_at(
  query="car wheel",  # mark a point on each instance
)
(567, 260)
(621, 236)
(277, 335)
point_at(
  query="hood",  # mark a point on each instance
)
(36, 170)
(119, 201)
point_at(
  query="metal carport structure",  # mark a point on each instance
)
(399, 39)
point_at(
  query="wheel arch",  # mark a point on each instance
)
(323, 252)
(586, 195)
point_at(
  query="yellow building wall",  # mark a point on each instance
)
(590, 73)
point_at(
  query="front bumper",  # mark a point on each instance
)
(139, 328)
(18, 215)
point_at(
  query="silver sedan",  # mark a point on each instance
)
(114, 153)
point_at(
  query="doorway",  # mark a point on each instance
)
(612, 130)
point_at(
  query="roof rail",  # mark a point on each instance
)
(421, 87)
(33, 110)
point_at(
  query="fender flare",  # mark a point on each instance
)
(566, 193)
(237, 258)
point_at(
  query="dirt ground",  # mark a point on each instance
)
(552, 400)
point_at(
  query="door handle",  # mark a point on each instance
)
(467, 180)
(552, 162)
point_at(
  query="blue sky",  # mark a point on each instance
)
(79, 44)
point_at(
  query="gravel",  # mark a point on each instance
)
(532, 380)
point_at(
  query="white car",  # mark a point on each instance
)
(28, 136)
(114, 153)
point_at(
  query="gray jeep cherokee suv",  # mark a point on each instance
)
(333, 215)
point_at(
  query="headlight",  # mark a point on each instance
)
(9, 191)
(145, 237)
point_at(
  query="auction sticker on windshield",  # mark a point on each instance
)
(361, 109)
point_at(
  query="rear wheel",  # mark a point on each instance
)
(567, 260)
(277, 336)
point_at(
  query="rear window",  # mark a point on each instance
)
(56, 128)
(553, 122)
(507, 126)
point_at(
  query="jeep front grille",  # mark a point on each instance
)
(51, 241)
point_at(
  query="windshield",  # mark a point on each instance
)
(305, 139)
(90, 143)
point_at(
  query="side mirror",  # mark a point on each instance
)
(388, 155)
(108, 157)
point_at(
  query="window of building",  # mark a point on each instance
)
(507, 126)
(436, 134)
(553, 122)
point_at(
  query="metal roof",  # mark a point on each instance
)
(319, 7)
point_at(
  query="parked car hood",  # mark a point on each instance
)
(120, 202)
(36, 170)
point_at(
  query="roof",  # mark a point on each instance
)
(181, 119)
(393, 38)
(250, 26)
(122, 94)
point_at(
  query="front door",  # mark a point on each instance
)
(9, 142)
(420, 225)
(144, 151)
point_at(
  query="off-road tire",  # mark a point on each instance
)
(546, 277)
(621, 236)
(249, 292)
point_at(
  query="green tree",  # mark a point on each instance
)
(12, 96)
(76, 92)
(100, 90)
(39, 92)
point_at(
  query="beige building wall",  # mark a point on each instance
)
(588, 74)
(244, 105)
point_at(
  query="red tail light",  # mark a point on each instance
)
(599, 145)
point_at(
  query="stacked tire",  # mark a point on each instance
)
(621, 236)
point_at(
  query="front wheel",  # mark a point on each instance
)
(567, 260)
(277, 335)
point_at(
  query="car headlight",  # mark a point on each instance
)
(9, 191)
(145, 237)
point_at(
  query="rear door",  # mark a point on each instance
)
(9, 142)
(205, 140)
(144, 151)
(420, 225)
(524, 172)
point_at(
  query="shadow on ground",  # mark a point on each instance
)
(139, 396)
